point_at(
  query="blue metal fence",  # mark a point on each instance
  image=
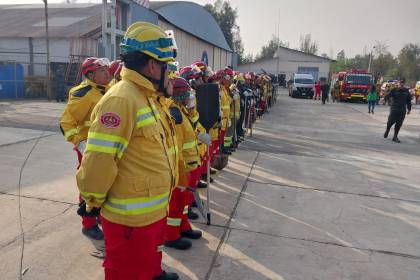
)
(11, 81)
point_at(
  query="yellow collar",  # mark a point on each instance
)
(102, 89)
(138, 79)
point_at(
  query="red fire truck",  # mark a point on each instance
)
(351, 85)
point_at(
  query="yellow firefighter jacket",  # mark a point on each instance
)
(186, 141)
(75, 120)
(225, 106)
(112, 82)
(130, 163)
(194, 117)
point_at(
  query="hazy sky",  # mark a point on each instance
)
(351, 25)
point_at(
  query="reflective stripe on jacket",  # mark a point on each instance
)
(75, 120)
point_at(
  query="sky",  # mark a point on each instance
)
(353, 25)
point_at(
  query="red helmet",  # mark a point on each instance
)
(181, 88)
(225, 74)
(201, 65)
(93, 64)
(189, 72)
(229, 72)
(115, 67)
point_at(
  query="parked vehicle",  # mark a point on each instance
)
(351, 85)
(301, 85)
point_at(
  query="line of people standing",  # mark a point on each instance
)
(141, 148)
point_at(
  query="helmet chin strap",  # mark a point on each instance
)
(160, 82)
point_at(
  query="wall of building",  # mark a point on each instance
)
(288, 62)
(17, 49)
(286, 67)
(191, 49)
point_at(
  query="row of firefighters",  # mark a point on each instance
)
(143, 150)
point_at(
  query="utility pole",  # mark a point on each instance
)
(48, 51)
(278, 46)
(370, 58)
(104, 27)
(113, 26)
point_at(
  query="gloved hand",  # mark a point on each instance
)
(221, 114)
(229, 123)
(82, 146)
(84, 212)
(204, 138)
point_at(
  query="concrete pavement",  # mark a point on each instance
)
(316, 193)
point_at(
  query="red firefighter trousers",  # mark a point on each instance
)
(87, 222)
(133, 253)
(181, 199)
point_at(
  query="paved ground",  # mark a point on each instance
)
(316, 193)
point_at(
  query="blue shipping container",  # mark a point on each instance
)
(11, 81)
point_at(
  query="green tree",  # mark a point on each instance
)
(226, 16)
(307, 45)
(269, 50)
(409, 62)
(247, 59)
(383, 62)
(341, 55)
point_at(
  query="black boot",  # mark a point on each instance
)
(386, 133)
(179, 244)
(167, 276)
(94, 233)
(204, 178)
(191, 214)
(396, 140)
(192, 234)
(212, 171)
(201, 185)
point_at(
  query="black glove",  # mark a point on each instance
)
(81, 211)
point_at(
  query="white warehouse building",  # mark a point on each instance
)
(288, 61)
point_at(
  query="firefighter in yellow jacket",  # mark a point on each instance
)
(75, 121)
(130, 164)
(114, 71)
(178, 229)
(225, 81)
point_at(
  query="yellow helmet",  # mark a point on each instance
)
(150, 39)
(173, 69)
(239, 78)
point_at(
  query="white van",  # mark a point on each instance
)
(301, 85)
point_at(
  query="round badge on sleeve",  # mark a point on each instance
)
(110, 120)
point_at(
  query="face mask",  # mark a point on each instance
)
(190, 102)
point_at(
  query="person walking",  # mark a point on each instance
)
(325, 88)
(400, 99)
(371, 99)
(317, 90)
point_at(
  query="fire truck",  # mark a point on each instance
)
(351, 85)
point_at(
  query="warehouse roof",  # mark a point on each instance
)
(192, 18)
(79, 20)
(64, 20)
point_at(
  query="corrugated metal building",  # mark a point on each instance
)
(197, 33)
(288, 61)
(75, 31)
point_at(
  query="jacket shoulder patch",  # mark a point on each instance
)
(82, 91)
(176, 114)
